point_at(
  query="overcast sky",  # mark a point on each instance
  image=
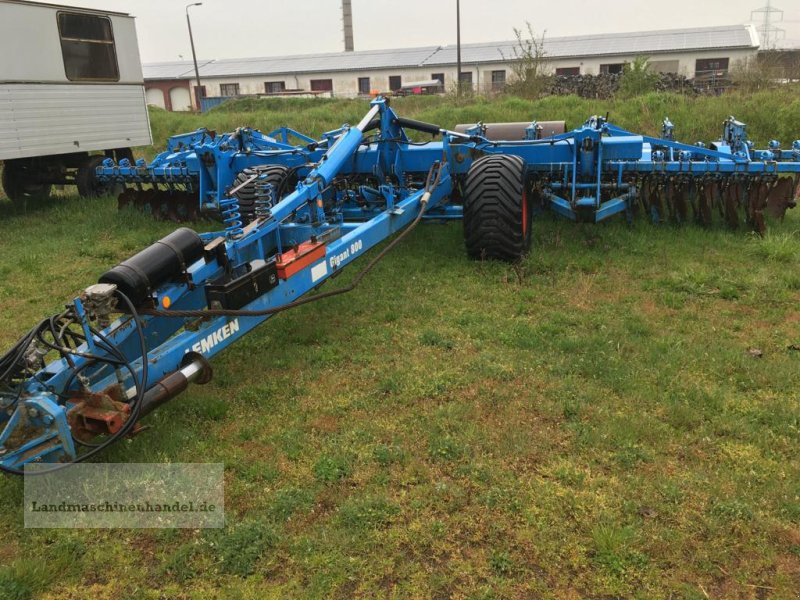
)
(244, 28)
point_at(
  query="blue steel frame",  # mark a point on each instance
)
(584, 173)
(296, 218)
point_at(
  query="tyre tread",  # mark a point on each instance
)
(493, 213)
(276, 175)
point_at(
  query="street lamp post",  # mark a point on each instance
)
(458, 48)
(194, 55)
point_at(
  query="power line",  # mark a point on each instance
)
(770, 34)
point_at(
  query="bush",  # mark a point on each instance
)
(637, 78)
(529, 65)
(754, 75)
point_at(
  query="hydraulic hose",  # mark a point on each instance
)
(418, 125)
(135, 409)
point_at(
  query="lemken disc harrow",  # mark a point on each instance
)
(162, 205)
(295, 214)
(736, 199)
(591, 173)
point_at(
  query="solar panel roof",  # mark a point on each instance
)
(630, 43)
(636, 43)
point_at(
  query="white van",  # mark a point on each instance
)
(71, 94)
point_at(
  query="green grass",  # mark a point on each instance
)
(590, 426)
(772, 114)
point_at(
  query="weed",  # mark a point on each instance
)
(287, 501)
(239, 548)
(180, 564)
(330, 469)
(781, 247)
(612, 549)
(13, 587)
(369, 512)
(501, 563)
(386, 454)
(732, 510)
(443, 446)
(436, 339)
(503, 498)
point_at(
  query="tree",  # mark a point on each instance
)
(637, 78)
(529, 64)
(757, 73)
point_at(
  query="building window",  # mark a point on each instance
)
(498, 80)
(363, 86)
(465, 80)
(568, 71)
(612, 68)
(87, 46)
(395, 82)
(711, 67)
(229, 89)
(439, 77)
(274, 87)
(322, 85)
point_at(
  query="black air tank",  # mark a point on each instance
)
(138, 276)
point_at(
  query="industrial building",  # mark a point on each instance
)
(695, 52)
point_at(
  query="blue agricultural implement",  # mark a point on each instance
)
(298, 210)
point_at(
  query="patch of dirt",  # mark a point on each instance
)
(9, 550)
(789, 535)
(146, 545)
(95, 591)
(788, 565)
(258, 449)
(324, 424)
(650, 308)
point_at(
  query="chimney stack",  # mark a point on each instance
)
(347, 17)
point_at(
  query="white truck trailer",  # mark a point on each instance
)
(71, 94)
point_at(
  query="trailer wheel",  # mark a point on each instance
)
(282, 179)
(19, 183)
(497, 209)
(86, 178)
